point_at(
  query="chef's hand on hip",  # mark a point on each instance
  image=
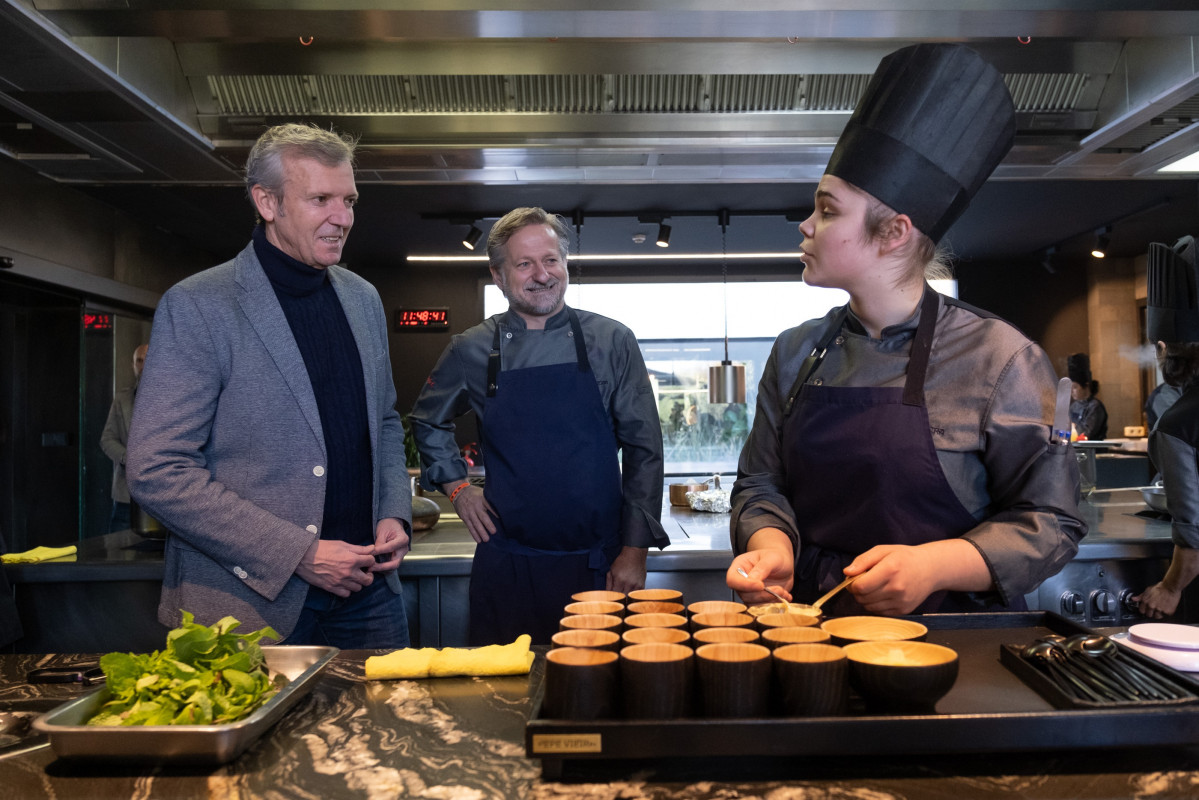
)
(627, 572)
(391, 544)
(474, 510)
(337, 566)
(770, 560)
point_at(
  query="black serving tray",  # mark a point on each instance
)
(989, 709)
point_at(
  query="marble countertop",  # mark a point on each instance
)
(463, 739)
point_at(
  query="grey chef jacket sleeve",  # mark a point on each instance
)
(457, 385)
(990, 398)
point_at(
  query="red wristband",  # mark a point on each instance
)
(454, 493)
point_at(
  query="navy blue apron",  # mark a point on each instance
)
(861, 470)
(553, 479)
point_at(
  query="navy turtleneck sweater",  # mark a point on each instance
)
(326, 342)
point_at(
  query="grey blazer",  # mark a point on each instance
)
(226, 447)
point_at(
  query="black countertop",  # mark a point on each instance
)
(463, 738)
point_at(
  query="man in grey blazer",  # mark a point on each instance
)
(265, 436)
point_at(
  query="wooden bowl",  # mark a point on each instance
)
(710, 635)
(655, 621)
(595, 607)
(901, 676)
(655, 607)
(846, 630)
(587, 637)
(778, 637)
(660, 595)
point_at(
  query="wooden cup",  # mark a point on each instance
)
(655, 621)
(777, 637)
(656, 680)
(595, 607)
(598, 595)
(602, 622)
(716, 607)
(813, 679)
(655, 607)
(720, 619)
(580, 683)
(655, 635)
(733, 679)
(710, 635)
(664, 595)
(587, 637)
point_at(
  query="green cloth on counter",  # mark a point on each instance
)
(38, 554)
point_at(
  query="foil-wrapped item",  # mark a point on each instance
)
(715, 500)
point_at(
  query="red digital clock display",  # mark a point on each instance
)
(422, 319)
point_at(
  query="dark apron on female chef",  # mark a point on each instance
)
(554, 480)
(862, 470)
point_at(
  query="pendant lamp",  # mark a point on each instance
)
(726, 382)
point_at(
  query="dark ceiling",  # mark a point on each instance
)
(618, 110)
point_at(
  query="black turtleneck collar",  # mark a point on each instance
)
(286, 274)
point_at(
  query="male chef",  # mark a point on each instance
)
(265, 435)
(557, 392)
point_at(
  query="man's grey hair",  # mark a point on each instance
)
(264, 167)
(519, 218)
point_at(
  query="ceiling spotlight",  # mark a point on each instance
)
(639, 238)
(663, 235)
(472, 237)
(1103, 240)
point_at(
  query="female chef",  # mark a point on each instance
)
(905, 437)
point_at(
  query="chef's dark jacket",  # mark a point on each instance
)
(458, 384)
(1174, 449)
(990, 398)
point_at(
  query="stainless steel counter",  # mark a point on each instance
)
(105, 598)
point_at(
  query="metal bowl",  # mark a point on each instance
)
(1155, 498)
(678, 492)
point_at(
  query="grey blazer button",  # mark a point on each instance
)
(311, 529)
(318, 471)
(241, 573)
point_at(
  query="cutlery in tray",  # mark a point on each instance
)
(1089, 670)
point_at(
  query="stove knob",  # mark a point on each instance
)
(1072, 604)
(1104, 603)
(1129, 605)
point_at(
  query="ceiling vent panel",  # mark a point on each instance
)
(741, 94)
(833, 92)
(1051, 92)
(657, 94)
(560, 94)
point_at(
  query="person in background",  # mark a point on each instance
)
(265, 434)
(1173, 323)
(557, 393)
(904, 438)
(113, 439)
(1087, 413)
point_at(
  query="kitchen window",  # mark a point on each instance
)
(680, 328)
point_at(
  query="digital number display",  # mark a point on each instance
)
(422, 319)
(97, 322)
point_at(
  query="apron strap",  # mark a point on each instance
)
(494, 364)
(580, 345)
(922, 345)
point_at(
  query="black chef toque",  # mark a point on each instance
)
(1078, 368)
(934, 122)
(1172, 307)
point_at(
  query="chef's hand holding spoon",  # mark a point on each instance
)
(769, 561)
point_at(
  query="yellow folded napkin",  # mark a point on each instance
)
(429, 662)
(38, 554)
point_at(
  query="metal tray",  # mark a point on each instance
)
(989, 709)
(71, 737)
